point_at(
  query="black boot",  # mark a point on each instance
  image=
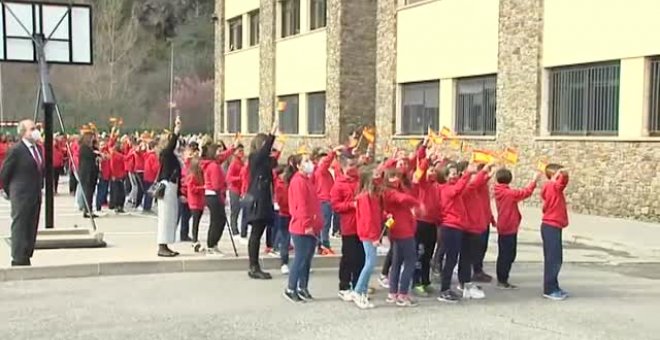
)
(257, 274)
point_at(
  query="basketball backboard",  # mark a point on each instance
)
(67, 29)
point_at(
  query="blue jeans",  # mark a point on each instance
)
(328, 217)
(284, 237)
(184, 219)
(302, 261)
(148, 200)
(370, 258)
(452, 241)
(101, 193)
(244, 223)
(404, 254)
(552, 257)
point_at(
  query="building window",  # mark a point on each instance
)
(254, 27)
(654, 104)
(317, 14)
(253, 115)
(419, 107)
(316, 113)
(290, 17)
(410, 2)
(289, 117)
(235, 33)
(234, 116)
(584, 100)
(475, 106)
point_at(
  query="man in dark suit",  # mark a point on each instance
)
(22, 176)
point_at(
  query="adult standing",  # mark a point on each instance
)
(259, 197)
(170, 176)
(88, 171)
(22, 176)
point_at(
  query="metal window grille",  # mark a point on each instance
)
(419, 107)
(234, 116)
(654, 97)
(584, 100)
(317, 14)
(253, 115)
(476, 106)
(289, 117)
(290, 17)
(316, 113)
(235, 34)
(254, 28)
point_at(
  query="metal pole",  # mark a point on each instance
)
(2, 98)
(171, 82)
(48, 102)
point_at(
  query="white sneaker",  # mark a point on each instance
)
(214, 252)
(243, 241)
(472, 291)
(384, 282)
(345, 295)
(362, 302)
(284, 269)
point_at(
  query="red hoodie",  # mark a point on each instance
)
(214, 178)
(323, 178)
(105, 171)
(138, 158)
(304, 206)
(129, 161)
(194, 193)
(428, 194)
(508, 214)
(401, 204)
(369, 215)
(342, 199)
(454, 214)
(477, 218)
(151, 167)
(234, 175)
(58, 156)
(282, 196)
(245, 179)
(554, 202)
(117, 166)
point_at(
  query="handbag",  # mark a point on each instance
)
(157, 190)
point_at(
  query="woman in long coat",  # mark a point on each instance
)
(168, 205)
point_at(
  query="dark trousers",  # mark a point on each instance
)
(196, 217)
(552, 257)
(234, 210)
(284, 237)
(101, 193)
(184, 220)
(478, 265)
(452, 240)
(117, 194)
(139, 178)
(244, 223)
(469, 252)
(506, 255)
(255, 241)
(88, 192)
(270, 234)
(302, 260)
(56, 177)
(439, 254)
(148, 201)
(24, 224)
(73, 182)
(426, 237)
(387, 264)
(403, 255)
(351, 263)
(218, 220)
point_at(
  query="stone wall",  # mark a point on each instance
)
(267, 31)
(385, 71)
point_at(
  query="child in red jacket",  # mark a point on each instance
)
(508, 221)
(195, 196)
(342, 199)
(283, 215)
(306, 225)
(214, 192)
(555, 218)
(234, 182)
(398, 201)
(117, 178)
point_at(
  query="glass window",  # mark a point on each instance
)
(584, 100)
(235, 33)
(234, 116)
(419, 107)
(654, 104)
(254, 28)
(316, 113)
(289, 117)
(476, 105)
(290, 17)
(253, 115)
(317, 14)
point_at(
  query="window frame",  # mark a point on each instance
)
(285, 30)
(488, 112)
(433, 121)
(318, 22)
(254, 38)
(229, 127)
(310, 110)
(654, 97)
(295, 115)
(250, 122)
(237, 39)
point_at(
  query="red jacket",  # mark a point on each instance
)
(106, 173)
(75, 152)
(369, 215)
(214, 178)
(554, 202)
(323, 178)
(342, 199)
(194, 193)
(138, 158)
(151, 167)
(129, 161)
(506, 200)
(454, 214)
(282, 196)
(234, 175)
(58, 156)
(117, 166)
(477, 218)
(400, 205)
(427, 193)
(304, 206)
(245, 179)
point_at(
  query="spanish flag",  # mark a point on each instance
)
(482, 157)
(541, 165)
(433, 137)
(510, 156)
(369, 134)
(446, 132)
(303, 150)
(413, 142)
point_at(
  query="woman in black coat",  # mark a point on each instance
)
(259, 198)
(88, 171)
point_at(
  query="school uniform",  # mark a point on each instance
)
(117, 175)
(369, 220)
(214, 191)
(555, 219)
(195, 197)
(342, 199)
(454, 220)
(283, 218)
(474, 227)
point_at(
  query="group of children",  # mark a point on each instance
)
(436, 213)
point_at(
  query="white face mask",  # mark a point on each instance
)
(35, 135)
(308, 168)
